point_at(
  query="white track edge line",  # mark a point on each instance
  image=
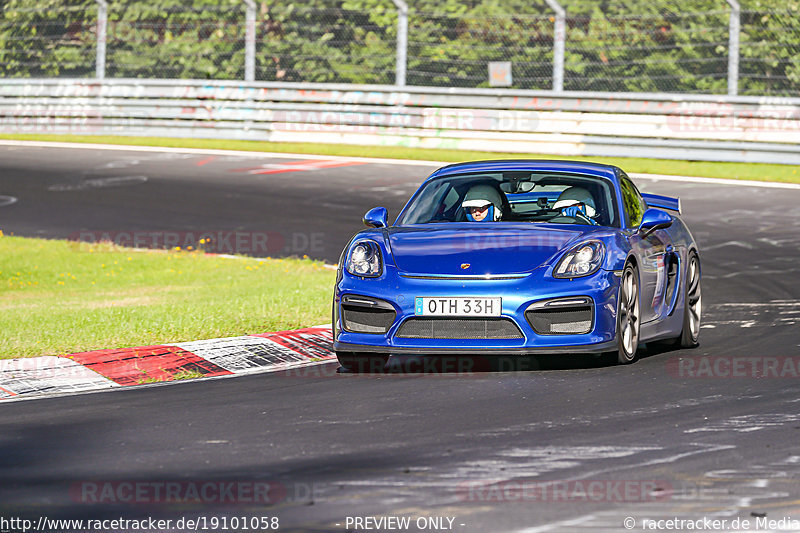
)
(717, 181)
(209, 151)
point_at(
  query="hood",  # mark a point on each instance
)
(488, 248)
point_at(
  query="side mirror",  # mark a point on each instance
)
(376, 218)
(654, 219)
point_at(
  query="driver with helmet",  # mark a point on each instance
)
(482, 204)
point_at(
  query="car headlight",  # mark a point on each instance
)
(582, 260)
(365, 259)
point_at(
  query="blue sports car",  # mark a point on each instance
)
(518, 257)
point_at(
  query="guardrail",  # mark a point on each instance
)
(665, 126)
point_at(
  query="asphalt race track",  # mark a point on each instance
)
(705, 433)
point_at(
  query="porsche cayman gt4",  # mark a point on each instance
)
(518, 257)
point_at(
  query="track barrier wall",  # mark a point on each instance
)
(663, 126)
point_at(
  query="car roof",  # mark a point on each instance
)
(539, 165)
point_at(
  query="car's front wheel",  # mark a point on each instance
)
(628, 315)
(362, 363)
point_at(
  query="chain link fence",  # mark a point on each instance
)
(47, 38)
(668, 51)
(176, 41)
(770, 51)
(616, 46)
(326, 42)
(454, 49)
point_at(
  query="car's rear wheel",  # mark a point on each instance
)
(692, 305)
(628, 315)
(362, 363)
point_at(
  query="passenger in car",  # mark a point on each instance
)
(577, 202)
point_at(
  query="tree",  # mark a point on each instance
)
(611, 45)
(47, 38)
(201, 39)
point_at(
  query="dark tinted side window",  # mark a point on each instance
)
(634, 203)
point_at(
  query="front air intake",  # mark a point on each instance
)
(459, 328)
(565, 316)
(362, 314)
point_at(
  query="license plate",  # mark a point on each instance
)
(424, 306)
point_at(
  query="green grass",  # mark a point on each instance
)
(61, 297)
(748, 171)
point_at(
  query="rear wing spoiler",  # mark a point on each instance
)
(663, 202)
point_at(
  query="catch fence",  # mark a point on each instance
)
(750, 47)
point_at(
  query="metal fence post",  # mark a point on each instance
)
(402, 43)
(250, 41)
(102, 26)
(559, 37)
(733, 48)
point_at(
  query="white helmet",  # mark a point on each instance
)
(481, 196)
(575, 196)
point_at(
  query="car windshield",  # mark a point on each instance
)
(515, 196)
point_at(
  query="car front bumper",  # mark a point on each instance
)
(517, 294)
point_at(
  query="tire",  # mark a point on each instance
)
(362, 363)
(628, 315)
(692, 305)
